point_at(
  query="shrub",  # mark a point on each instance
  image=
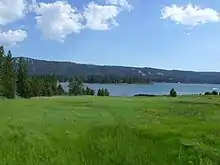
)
(214, 93)
(207, 93)
(173, 93)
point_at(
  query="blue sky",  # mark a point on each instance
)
(172, 34)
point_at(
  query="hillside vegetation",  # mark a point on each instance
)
(114, 74)
(110, 131)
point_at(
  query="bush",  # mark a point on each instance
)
(173, 93)
(207, 93)
(214, 93)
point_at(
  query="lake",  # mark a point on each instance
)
(155, 89)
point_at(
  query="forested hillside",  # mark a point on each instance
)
(118, 74)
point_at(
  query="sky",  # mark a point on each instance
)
(166, 34)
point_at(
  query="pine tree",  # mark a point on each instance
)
(44, 90)
(76, 87)
(49, 90)
(106, 92)
(71, 86)
(173, 93)
(36, 86)
(101, 92)
(23, 86)
(8, 77)
(89, 91)
(2, 57)
(53, 83)
(60, 90)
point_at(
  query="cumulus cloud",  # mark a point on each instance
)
(100, 17)
(190, 15)
(121, 3)
(12, 10)
(57, 20)
(103, 17)
(11, 38)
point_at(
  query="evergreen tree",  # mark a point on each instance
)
(49, 90)
(214, 93)
(89, 91)
(92, 92)
(28, 89)
(35, 86)
(2, 58)
(101, 92)
(76, 87)
(71, 86)
(53, 83)
(44, 89)
(173, 93)
(106, 92)
(23, 84)
(8, 77)
(60, 90)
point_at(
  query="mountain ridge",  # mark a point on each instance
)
(69, 69)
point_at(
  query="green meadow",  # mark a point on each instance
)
(110, 131)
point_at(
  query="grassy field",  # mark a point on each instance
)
(110, 131)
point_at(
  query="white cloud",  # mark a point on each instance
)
(11, 38)
(32, 6)
(102, 17)
(121, 3)
(190, 15)
(12, 10)
(57, 20)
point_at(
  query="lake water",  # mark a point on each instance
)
(156, 88)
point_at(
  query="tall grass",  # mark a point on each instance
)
(110, 131)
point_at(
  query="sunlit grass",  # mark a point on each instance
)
(110, 131)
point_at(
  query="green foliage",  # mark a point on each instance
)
(60, 90)
(8, 78)
(110, 131)
(36, 86)
(48, 88)
(207, 93)
(173, 93)
(2, 58)
(23, 83)
(19, 82)
(106, 92)
(76, 87)
(53, 84)
(118, 74)
(214, 93)
(100, 92)
(89, 91)
(103, 92)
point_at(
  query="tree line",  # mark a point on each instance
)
(15, 81)
(108, 79)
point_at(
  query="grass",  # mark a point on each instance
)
(110, 131)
